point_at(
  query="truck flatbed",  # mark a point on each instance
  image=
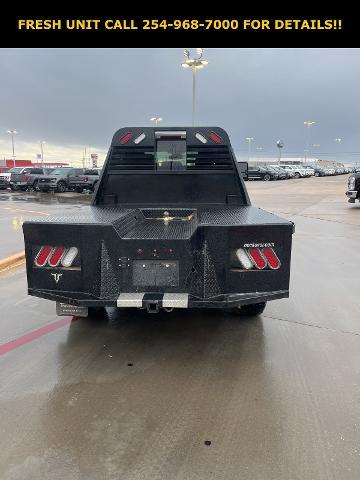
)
(171, 226)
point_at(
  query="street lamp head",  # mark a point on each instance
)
(249, 139)
(308, 123)
(185, 65)
(12, 132)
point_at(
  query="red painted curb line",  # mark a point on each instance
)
(35, 334)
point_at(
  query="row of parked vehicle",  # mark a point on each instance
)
(284, 172)
(49, 179)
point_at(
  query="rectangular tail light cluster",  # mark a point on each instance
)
(49, 256)
(258, 258)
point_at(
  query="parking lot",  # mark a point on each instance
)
(191, 394)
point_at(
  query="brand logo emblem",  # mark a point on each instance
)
(259, 245)
(56, 276)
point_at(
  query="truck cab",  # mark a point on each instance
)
(353, 191)
(171, 226)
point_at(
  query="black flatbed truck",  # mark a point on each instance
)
(171, 226)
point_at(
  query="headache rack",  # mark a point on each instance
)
(198, 157)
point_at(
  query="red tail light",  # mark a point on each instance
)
(56, 256)
(215, 137)
(86, 179)
(271, 258)
(257, 258)
(26, 178)
(125, 138)
(43, 255)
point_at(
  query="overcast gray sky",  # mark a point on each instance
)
(79, 97)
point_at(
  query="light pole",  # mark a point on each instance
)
(194, 64)
(13, 133)
(279, 145)
(156, 120)
(249, 140)
(308, 124)
(338, 141)
(42, 150)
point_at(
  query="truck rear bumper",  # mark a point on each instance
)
(161, 300)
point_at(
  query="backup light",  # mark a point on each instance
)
(244, 259)
(69, 257)
(140, 138)
(200, 137)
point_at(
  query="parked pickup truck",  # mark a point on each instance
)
(87, 181)
(61, 179)
(27, 178)
(353, 191)
(171, 226)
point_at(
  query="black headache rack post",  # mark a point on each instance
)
(171, 226)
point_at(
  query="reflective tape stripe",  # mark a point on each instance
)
(175, 300)
(130, 300)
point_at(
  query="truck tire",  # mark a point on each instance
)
(96, 312)
(267, 177)
(297, 175)
(61, 187)
(317, 174)
(35, 186)
(249, 310)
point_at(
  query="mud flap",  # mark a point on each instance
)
(64, 309)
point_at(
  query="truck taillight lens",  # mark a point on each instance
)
(215, 137)
(69, 257)
(56, 256)
(43, 255)
(244, 259)
(258, 258)
(271, 258)
(26, 178)
(86, 179)
(125, 138)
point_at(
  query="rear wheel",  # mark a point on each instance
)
(297, 175)
(249, 310)
(267, 177)
(96, 312)
(35, 186)
(61, 187)
(317, 174)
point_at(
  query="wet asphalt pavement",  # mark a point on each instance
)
(196, 395)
